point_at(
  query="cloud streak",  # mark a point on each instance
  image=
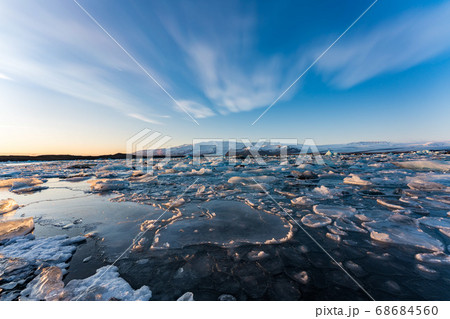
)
(231, 75)
(391, 46)
(66, 54)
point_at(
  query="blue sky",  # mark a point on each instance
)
(66, 87)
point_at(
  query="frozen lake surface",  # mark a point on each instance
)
(100, 230)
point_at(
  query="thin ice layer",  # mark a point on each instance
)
(13, 228)
(227, 224)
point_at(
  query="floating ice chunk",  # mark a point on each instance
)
(77, 178)
(334, 211)
(445, 231)
(188, 296)
(145, 178)
(402, 230)
(302, 200)
(175, 203)
(103, 185)
(52, 250)
(424, 165)
(419, 184)
(115, 167)
(21, 256)
(373, 214)
(336, 231)
(350, 242)
(333, 237)
(436, 222)
(22, 182)
(8, 205)
(389, 204)
(9, 173)
(301, 277)
(315, 221)
(348, 225)
(287, 194)
(257, 255)
(201, 171)
(355, 268)
(13, 271)
(87, 259)
(426, 269)
(250, 203)
(304, 175)
(48, 285)
(201, 189)
(323, 191)
(226, 298)
(434, 258)
(104, 285)
(251, 180)
(440, 198)
(356, 180)
(14, 228)
(139, 246)
(228, 224)
(23, 188)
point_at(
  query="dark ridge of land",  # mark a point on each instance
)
(242, 154)
(64, 157)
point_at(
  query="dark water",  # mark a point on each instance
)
(297, 269)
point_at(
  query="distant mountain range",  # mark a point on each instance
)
(240, 149)
(212, 148)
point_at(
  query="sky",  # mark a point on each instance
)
(208, 69)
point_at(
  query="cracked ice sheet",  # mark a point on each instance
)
(104, 285)
(402, 230)
(229, 224)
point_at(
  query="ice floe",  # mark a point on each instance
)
(12, 228)
(347, 225)
(48, 285)
(302, 200)
(388, 204)
(436, 222)
(251, 180)
(188, 296)
(21, 256)
(434, 258)
(424, 165)
(104, 185)
(334, 211)
(227, 224)
(314, 221)
(105, 284)
(54, 250)
(423, 185)
(20, 182)
(8, 205)
(402, 230)
(356, 180)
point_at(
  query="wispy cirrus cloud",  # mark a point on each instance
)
(196, 109)
(5, 77)
(228, 84)
(57, 48)
(390, 46)
(221, 54)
